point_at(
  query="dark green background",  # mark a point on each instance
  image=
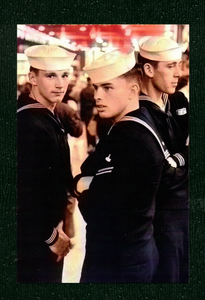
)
(101, 12)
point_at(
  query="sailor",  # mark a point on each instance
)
(161, 59)
(44, 173)
(119, 180)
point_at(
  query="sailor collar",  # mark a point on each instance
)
(164, 108)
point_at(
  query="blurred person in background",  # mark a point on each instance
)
(23, 86)
(161, 58)
(73, 125)
(119, 180)
(70, 119)
(24, 89)
(183, 84)
(45, 181)
(87, 113)
(81, 83)
(72, 82)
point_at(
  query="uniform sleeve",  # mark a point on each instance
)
(35, 202)
(179, 107)
(89, 167)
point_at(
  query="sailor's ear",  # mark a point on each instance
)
(134, 90)
(148, 70)
(32, 78)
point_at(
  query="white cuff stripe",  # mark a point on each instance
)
(105, 169)
(180, 159)
(52, 237)
(166, 154)
(105, 172)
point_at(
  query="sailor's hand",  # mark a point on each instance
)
(62, 245)
(84, 183)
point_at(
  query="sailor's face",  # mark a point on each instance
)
(112, 98)
(52, 85)
(166, 76)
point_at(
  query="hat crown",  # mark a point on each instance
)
(111, 65)
(49, 57)
(158, 44)
(46, 51)
(160, 48)
(110, 57)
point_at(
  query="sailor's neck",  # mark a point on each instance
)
(155, 96)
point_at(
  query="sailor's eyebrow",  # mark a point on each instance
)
(50, 74)
(105, 84)
(102, 85)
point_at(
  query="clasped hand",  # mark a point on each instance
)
(63, 245)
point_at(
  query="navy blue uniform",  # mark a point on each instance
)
(171, 217)
(119, 205)
(44, 179)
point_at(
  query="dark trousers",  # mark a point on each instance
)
(117, 263)
(171, 237)
(39, 266)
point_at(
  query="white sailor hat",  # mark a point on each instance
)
(111, 65)
(160, 48)
(49, 57)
